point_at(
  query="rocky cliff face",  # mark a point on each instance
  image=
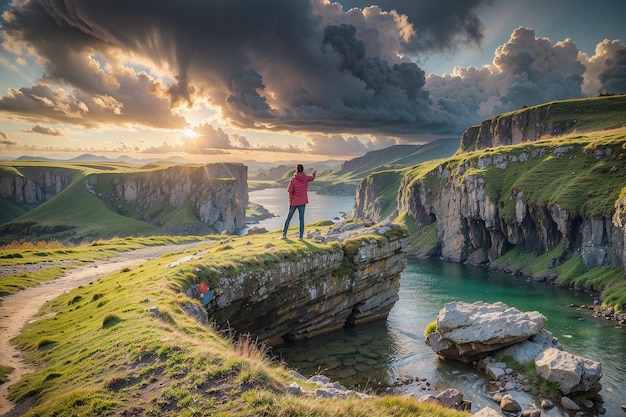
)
(355, 282)
(478, 219)
(472, 225)
(32, 191)
(216, 193)
(511, 129)
(367, 201)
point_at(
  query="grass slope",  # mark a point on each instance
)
(591, 114)
(124, 346)
(75, 215)
(352, 172)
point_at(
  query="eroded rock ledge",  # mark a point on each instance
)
(353, 282)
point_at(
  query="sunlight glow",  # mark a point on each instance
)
(190, 133)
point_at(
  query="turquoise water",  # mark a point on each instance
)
(378, 355)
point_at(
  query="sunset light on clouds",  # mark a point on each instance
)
(288, 79)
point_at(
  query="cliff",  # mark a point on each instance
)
(216, 193)
(536, 198)
(546, 120)
(559, 198)
(528, 125)
(91, 201)
(35, 190)
(347, 283)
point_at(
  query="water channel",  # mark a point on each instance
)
(376, 355)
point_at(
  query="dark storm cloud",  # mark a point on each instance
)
(305, 65)
(267, 64)
(439, 24)
(613, 75)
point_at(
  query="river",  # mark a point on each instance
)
(320, 207)
(374, 356)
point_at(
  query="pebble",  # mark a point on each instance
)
(509, 386)
(569, 404)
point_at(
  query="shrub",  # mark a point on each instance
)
(430, 328)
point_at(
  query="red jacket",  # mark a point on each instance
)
(298, 187)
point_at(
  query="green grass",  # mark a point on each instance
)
(424, 239)
(100, 351)
(591, 114)
(391, 158)
(76, 215)
(60, 259)
(4, 373)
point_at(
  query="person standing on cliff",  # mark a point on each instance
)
(298, 197)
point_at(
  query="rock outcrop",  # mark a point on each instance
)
(533, 123)
(352, 282)
(36, 187)
(570, 372)
(470, 221)
(466, 332)
(469, 332)
(527, 125)
(367, 202)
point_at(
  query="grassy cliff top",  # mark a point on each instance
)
(77, 215)
(101, 351)
(591, 114)
(584, 174)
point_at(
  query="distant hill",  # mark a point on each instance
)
(101, 158)
(344, 179)
(276, 172)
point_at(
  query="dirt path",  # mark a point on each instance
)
(19, 308)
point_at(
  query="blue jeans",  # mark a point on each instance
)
(292, 210)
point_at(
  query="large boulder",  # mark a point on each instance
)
(572, 373)
(467, 332)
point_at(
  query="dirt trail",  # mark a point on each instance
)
(19, 308)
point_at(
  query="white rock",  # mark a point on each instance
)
(509, 386)
(572, 373)
(495, 371)
(486, 412)
(466, 330)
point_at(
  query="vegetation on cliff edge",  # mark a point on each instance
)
(123, 345)
(578, 173)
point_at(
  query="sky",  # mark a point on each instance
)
(277, 80)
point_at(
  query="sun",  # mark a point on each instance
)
(190, 132)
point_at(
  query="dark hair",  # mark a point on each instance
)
(300, 168)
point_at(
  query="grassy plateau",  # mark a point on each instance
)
(122, 345)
